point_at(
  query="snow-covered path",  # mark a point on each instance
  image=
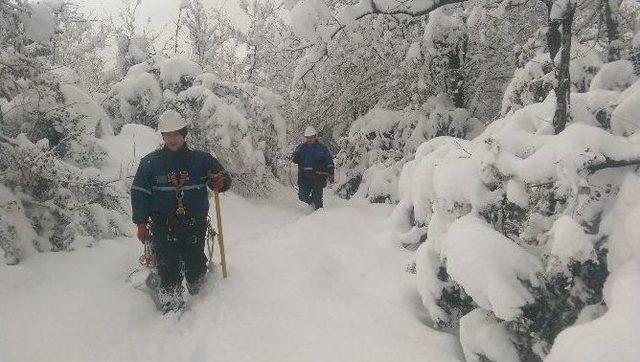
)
(326, 286)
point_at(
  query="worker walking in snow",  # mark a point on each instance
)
(169, 197)
(315, 167)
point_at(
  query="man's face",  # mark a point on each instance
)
(173, 140)
(310, 139)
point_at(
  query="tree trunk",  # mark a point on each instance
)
(613, 35)
(563, 78)
(175, 46)
(456, 74)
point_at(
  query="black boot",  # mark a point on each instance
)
(195, 286)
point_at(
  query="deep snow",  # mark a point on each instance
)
(302, 286)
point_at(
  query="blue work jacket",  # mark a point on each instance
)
(314, 160)
(152, 194)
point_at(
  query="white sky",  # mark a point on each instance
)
(163, 15)
(161, 12)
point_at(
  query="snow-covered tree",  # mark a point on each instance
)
(380, 142)
(271, 46)
(529, 210)
(399, 63)
(239, 122)
(55, 195)
(133, 47)
(79, 43)
(509, 226)
(209, 33)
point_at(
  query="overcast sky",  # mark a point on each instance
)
(162, 12)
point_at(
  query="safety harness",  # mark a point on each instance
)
(178, 180)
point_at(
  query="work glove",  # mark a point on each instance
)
(216, 182)
(143, 232)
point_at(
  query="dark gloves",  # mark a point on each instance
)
(143, 232)
(331, 178)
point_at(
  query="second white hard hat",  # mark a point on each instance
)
(309, 131)
(171, 121)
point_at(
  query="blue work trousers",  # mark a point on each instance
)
(310, 189)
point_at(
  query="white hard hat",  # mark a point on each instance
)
(309, 131)
(171, 121)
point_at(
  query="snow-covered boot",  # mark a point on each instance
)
(153, 280)
(169, 299)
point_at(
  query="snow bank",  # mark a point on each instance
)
(624, 119)
(615, 76)
(482, 334)
(615, 335)
(489, 266)
(620, 224)
(291, 295)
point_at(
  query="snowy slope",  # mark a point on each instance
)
(326, 286)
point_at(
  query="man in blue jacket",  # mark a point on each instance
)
(169, 197)
(315, 167)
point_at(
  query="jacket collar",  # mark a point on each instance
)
(180, 151)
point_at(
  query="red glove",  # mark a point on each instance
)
(143, 232)
(218, 183)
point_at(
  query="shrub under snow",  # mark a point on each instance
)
(380, 142)
(516, 232)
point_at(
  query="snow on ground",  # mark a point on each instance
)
(302, 286)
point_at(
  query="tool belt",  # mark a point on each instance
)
(174, 220)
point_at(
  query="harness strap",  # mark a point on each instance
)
(188, 157)
(175, 189)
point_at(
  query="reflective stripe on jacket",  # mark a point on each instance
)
(313, 159)
(151, 192)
